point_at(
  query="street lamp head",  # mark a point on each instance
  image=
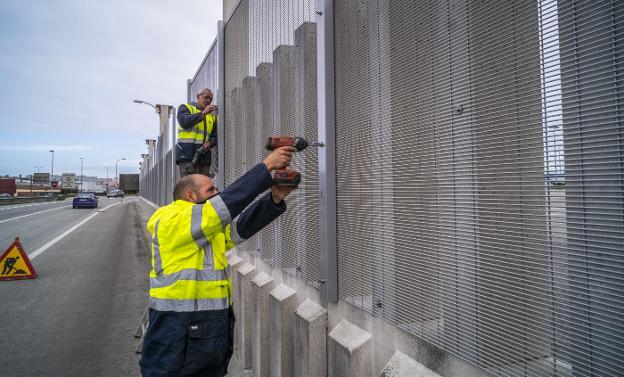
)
(52, 150)
(145, 103)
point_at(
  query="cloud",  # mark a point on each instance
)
(75, 68)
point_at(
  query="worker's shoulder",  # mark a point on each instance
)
(187, 106)
(171, 210)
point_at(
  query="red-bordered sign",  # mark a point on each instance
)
(14, 263)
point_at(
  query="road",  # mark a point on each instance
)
(78, 317)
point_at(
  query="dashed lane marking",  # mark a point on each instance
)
(68, 231)
(4, 208)
(31, 214)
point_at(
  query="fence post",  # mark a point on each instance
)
(327, 153)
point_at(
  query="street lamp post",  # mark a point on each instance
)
(38, 167)
(52, 168)
(117, 176)
(81, 176)
(107, 179)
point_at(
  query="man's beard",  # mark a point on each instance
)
(200, 201)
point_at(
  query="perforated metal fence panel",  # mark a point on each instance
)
(207, 76)
(270, 90)
(480, 173)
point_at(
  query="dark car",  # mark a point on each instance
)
(85, 199)
(115, 194)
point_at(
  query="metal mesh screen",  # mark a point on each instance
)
(270, 90)
(480, 172)
(207, 76)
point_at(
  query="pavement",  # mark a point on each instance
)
(78, 317)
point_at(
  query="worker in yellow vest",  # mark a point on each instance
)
(191, 323)
(197, 132)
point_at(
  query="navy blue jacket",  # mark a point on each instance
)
(242, 192)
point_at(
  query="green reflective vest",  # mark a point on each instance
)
(189, 266)
(199, 133)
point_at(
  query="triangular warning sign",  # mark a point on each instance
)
(14, 263)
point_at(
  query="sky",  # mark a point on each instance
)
(70, 70)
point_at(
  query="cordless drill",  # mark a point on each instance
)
(287, 177)
(199, 153)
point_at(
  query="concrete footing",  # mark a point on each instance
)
(243, 290)
(285, 330)
(282, 307)
(233, 261)
(401, 365)
(350, 351)
(262, 285)
(310, 340)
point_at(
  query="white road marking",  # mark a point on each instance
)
(4, 208)
(31, 214)
(60, 237)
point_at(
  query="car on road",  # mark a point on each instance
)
(4, 195)
(115, 193)
(85, 199)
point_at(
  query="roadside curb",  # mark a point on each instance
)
(148, 202)
(145, 212)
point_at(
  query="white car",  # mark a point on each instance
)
(115, 194)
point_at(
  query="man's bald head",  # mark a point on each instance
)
(194, 188)
(185, 183)
(204, 92)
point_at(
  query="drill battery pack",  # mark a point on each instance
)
(286, 177)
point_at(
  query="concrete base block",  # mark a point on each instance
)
(282, 305)
(234, 262)
(401, 365)
(350, 351)
(245, 313)
(310, 340)
(261, 285)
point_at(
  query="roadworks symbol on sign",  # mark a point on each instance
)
(15, 263)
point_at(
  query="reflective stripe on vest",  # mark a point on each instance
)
(156, 250)
(176, 291)
(198, 134)
(236, 238)
(189, 305)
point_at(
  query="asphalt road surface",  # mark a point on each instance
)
(78, 317)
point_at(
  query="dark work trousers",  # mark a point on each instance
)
(188, 344)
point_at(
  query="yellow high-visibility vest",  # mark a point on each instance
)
(195, 134)
(189, 266)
